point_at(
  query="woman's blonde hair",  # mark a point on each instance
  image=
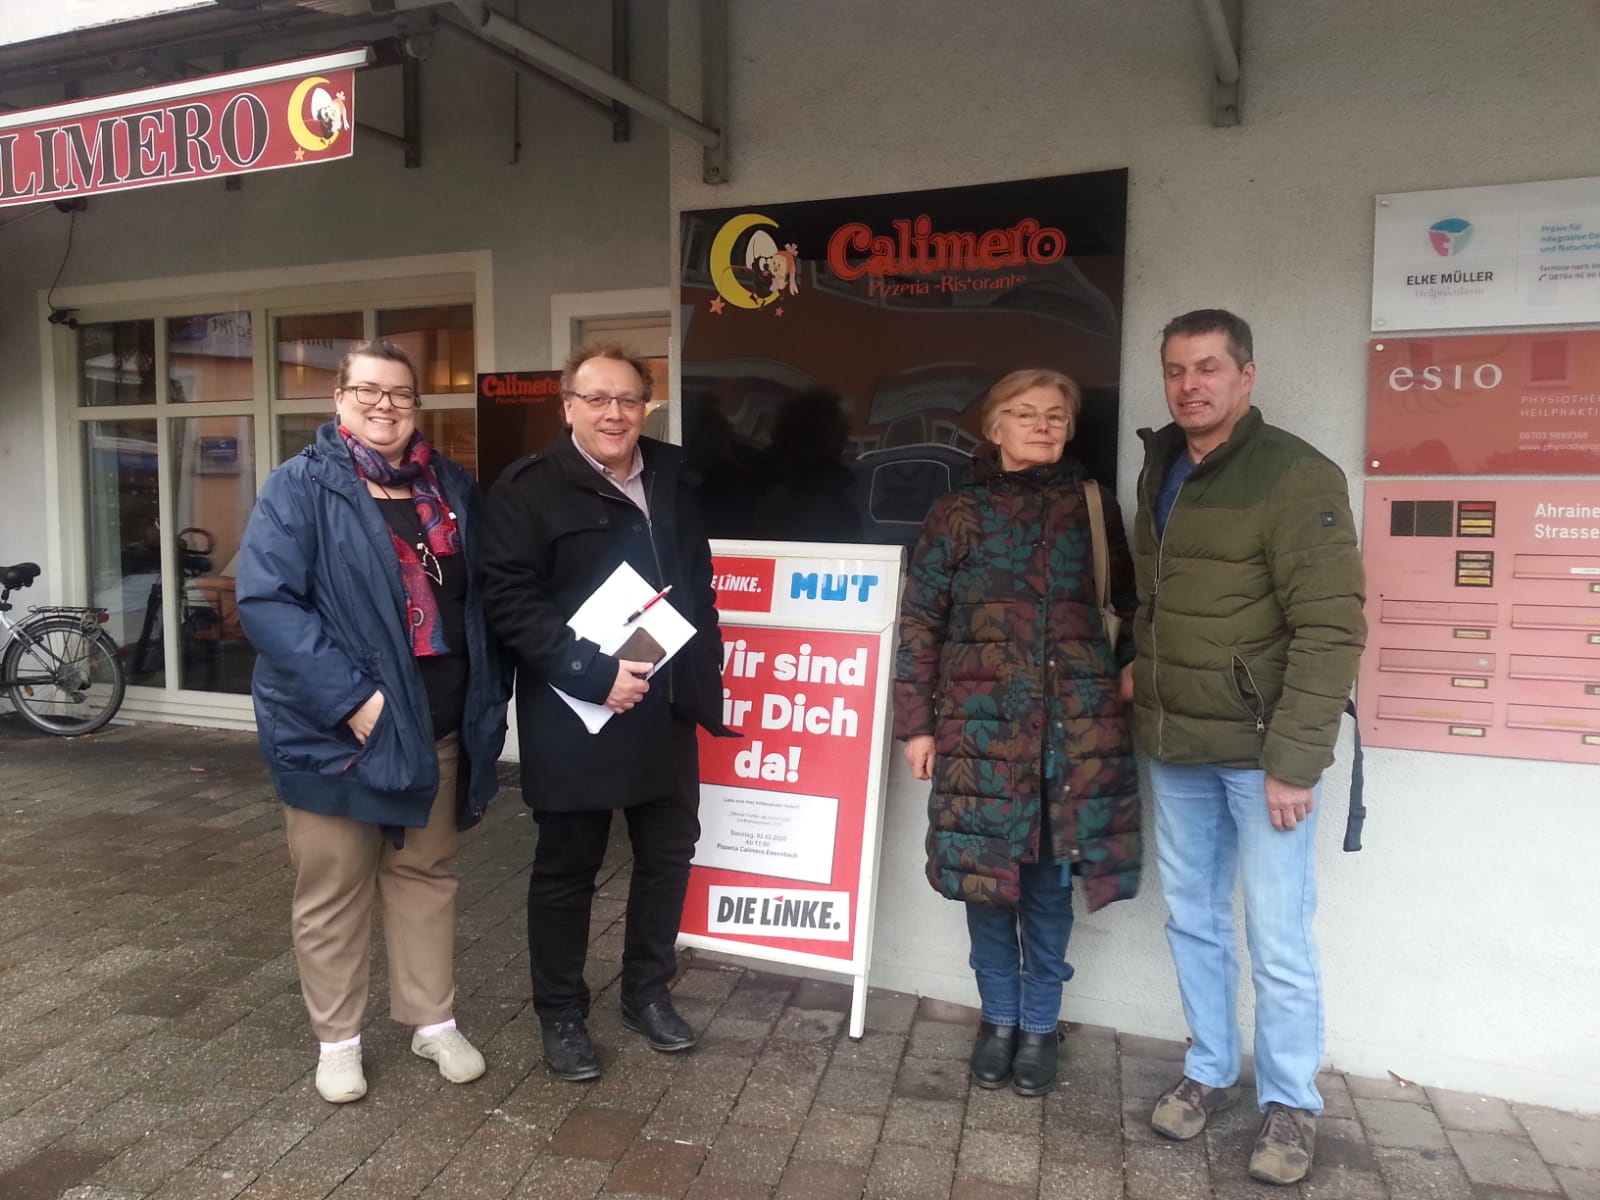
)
(1011, 386)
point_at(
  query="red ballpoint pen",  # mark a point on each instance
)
(645, 607)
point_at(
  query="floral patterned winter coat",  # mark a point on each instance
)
(1003, 659)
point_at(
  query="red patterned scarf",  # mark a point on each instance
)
(419, 564)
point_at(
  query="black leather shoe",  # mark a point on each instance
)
(991, 1054)
(661, 1025)
(568, 1052)
(1033, 1070)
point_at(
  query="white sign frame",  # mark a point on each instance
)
(879, 617)
(1487, 257)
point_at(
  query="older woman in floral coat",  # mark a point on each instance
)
(1009, 696)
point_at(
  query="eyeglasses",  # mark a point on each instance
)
(1055, 418)
(600, 401)
(368, 394)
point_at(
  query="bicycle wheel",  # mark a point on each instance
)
(63, 678)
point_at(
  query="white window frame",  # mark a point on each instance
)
(387, 283)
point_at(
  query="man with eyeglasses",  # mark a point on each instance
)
(1248, 635)
(559, 522)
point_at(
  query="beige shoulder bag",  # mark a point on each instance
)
(1102, 561)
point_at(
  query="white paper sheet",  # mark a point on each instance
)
(602, 619)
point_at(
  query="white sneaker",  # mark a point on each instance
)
(339, 1076)
(459, 1061)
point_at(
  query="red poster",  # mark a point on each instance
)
(1487, 404)
(784, 809)
(283, 115)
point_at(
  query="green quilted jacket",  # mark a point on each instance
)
(1250, 624)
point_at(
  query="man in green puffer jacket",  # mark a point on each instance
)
(1248, 636)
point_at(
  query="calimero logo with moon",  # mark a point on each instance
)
(317, 116)
(747, 267)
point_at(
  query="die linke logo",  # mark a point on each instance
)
(779, 912)
(743, 584)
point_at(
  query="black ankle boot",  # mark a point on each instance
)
(991, 1054)
(1033, 1069)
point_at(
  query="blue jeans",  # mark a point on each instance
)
(1022, 985)
(1212, 825)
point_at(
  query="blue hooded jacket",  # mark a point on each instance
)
(321, 600)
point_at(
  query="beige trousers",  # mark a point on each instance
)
(339, 865)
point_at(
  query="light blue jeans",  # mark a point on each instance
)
(1212, 826)
(1020, 958)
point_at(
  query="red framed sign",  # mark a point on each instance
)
(1485, 404)
(287, 114)
(790, 813)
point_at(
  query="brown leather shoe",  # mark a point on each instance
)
(1182, 1111)
(1284, 1147)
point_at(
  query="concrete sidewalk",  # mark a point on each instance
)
(153, 1044)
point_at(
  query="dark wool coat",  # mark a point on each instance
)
(1251, 629)
(1003, 654)
(321, 601)
(555, 530)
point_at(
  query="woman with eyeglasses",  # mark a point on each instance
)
(379, 705)
(1010, 697)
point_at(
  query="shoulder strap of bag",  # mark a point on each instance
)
(1097, 538)
(1357, 816)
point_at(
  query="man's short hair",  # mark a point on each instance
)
(1008, 387)
(612, 350)
(1241, 346)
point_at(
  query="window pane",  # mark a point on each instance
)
(121, 513)
(296, 431)
(209, 357)
(454, 433)
(214, 486)
(309, 350)
(439, 340)
(117, 363)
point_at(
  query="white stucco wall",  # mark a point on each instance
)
(1457, 947)
(577, 213)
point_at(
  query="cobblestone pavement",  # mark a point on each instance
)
(153, 1044)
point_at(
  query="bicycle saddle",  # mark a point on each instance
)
(19, 576)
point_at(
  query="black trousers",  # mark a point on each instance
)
(571, 846)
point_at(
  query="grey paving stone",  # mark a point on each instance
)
(1001, 1110)
(842, 1137)
(1563, 1139)
(808, 1025)
(1397, 1123)
(1422, 1175)
(1002, 1158)
(890, 1012)
(554, 1177)
(1328, 1182)
(1473, 1113)
(1167, 1172)
(1498, 1160)
(931, 1079)
(1164, 1049)
(859, 1089)
(1578, 1184)
(940, 1039)
(910, 1173)
(923, 1122)
(748, 1152)
(1364, 1087)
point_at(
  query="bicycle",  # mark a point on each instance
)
(60, 670)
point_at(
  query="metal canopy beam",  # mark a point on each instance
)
(523, 67)
(1222, 22)
(540, 50)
